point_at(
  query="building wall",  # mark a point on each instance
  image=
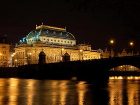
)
(29, 54)
(4, 55)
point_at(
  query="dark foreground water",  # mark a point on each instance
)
(62, 92)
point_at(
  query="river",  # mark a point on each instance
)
(120, 91)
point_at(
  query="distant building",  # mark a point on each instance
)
(55, 43)
(107, 53)
(4, 55)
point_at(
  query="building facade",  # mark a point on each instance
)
(4, 55)
(54, 42)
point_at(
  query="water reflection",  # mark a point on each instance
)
(81, 89)
(124, 91)
(52, 92)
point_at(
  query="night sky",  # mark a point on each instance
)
(91, 21)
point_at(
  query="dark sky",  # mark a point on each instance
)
(91, 21)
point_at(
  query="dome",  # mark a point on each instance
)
(49, 31)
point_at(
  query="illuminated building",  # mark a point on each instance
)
(4, 54)
(55, 43)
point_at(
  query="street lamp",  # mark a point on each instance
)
(62, 49)
(81, 54)
(0, 58)
(131, 44)
(16, 63)
(29, 58)
(12, 59)
(111, 43)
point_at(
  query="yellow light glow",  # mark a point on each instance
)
(121, 77)
(62, 49)
(81, 50)
(30, 53)
(30, 91)
(111, 41)
(81, 88)
(131, 43)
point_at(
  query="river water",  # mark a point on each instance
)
(120, 91)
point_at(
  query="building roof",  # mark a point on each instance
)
(50, 31)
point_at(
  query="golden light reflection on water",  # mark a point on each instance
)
(124, 91)
(124, 77)
(115, 94)
(64, 92)
(120, 91)
(30, 91)
(3, 90)
(81, 88)
(13, 91)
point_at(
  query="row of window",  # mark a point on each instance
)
(53, 40)
(21, 53)
(3, 58)
(57, 40)
(3, 52)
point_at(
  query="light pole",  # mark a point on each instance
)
(12, 59)
(0, 59)
(80, 54)
(29, 58)
(16, 63)
(62, 49)
(131, 44)
(111, 43)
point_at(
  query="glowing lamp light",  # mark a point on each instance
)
(62, 49)
(81, 50)
(13, 54)
(30, 53)
(111, 41)
(131, 43)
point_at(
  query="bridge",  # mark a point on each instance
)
(96, 71)
(109, 63)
